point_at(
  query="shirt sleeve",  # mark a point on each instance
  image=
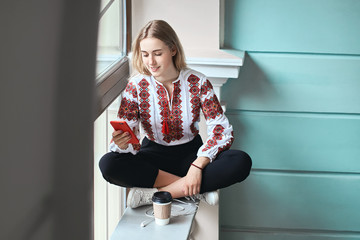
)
(220, 132)
(129, 112)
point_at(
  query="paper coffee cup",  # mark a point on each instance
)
(162, 207)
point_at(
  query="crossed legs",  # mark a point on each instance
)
(127, 170)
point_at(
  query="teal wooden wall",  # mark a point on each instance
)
(296, 110)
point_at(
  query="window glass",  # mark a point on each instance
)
(112, 68)
(111, 35)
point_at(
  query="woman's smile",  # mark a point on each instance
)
(154, 69)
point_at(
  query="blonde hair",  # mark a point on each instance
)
(163, 31)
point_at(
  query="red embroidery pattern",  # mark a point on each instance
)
(206, 87)
(131, 89)
(128, 110)
(227, 145)
(176, 123)
(174, 117)
(145, 108)
(163, 103)
(218, 130)
(195, 101)
(212, 108)
(136, 146)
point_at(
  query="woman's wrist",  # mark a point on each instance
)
(193, 164)
(201, 162)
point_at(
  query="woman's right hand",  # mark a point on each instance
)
(121, 139)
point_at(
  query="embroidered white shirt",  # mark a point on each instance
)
(145, 100)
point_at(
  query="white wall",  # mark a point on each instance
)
(195, 22)
(47, 71)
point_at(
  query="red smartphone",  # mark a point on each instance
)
(122, 125)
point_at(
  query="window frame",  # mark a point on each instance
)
(111, 82)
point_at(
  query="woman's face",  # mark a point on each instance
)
(157, 57)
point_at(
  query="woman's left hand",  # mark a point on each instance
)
(192, 181)
(193, 177)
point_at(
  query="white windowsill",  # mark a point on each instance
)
(217, 64)
(215, 56)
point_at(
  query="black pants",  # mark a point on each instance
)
(140, 170)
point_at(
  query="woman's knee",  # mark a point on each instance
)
(110, 167)
(241, 164)
(246, 163)
(106, 162)
(118, 169)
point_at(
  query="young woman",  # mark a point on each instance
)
(166, 97)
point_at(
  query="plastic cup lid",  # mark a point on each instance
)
(162, 197)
